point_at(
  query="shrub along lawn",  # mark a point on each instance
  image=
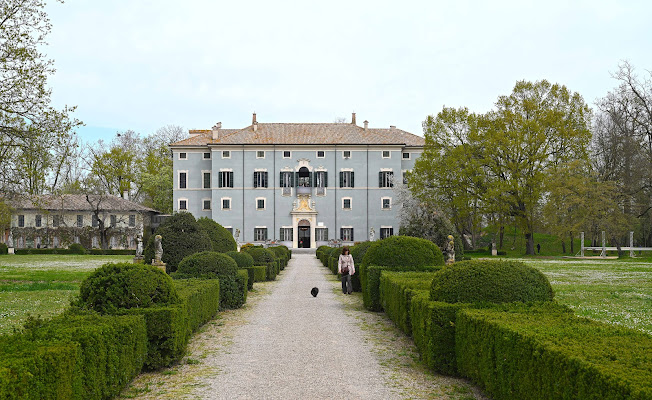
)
(612, 291)
(42, 284)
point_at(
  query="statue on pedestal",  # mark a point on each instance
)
(372, 234)
(450, 250)
(158, 253)
(139, 250)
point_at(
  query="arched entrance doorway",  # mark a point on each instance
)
(304, 233)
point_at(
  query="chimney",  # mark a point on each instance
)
(216, 131)
(392, 127)
(366, 125)
(125, 195)
(254, 123)
(353, 119)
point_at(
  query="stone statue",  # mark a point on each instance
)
(10, 241)
(237, 233)
(139, 247)
(158, 249)
(450, 250)
(372, 234)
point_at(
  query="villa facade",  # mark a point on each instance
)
(302, 184)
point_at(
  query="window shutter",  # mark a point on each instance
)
(221, 183)
(391, 178)
(380, 179)
(255, 180)
(326, 179)
(313, 177)
(341, 178)
(280, 179)
(352, 185)
(266, 182)
(352, 234)
(341, 231)
(230, 179)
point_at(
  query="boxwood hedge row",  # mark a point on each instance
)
(370, 279)
(396, 292)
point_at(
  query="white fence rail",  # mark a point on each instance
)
(604, 249)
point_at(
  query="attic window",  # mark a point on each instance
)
(207, 156)
(320, 154)
(287, 154)
(346, 154)
(183, 156)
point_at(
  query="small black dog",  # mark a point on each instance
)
(314, 292)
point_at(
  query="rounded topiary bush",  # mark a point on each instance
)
(119, 286)
(207, 264)
(333, 258)
(221, 238)
(3, 249)
(76, 248)
(244, 260)
(400, 251)
(181, 237)
(261, 255)
(282, 253)
(357, 252)
(494, 281)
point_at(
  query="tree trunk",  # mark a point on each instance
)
(617, 243)
(501, 237)
(570, 235)
(563, 246)
(529, 244)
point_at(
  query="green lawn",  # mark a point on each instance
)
(613, 291)
(42, 284)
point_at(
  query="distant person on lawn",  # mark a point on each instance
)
(346, 268)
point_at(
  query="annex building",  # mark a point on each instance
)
(299, 183)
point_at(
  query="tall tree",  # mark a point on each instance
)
(25, 111)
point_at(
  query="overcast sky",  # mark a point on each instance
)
(140, 65)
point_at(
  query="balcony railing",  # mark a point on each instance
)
(286, 191)
(303, 190)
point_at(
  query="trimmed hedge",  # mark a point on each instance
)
(333, 259)
(494, 281)
(76, 248)
(370, 279)
(112, 252)
(243, 259)
(124, 285)
(282, 253)
(73, 356)
(403, 251)
(3, 249)
(357, 252)
(181, 236)
(396, 292)
(67, 251)
(433, 329)
(242, 280)
(221, 239)
(261, 255)
(201, 298)
(207, 264)
(319, 253)
(259, 273)
(519, 352)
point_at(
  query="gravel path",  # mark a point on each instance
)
(295, 346)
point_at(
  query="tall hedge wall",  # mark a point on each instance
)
(370, 279)
(396, 292)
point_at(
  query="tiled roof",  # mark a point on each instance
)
(304, 133)
(77, 202)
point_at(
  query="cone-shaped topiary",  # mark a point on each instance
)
(494, 281)
(119, 286)
(181, 237)
(221, 238)
(401, 251)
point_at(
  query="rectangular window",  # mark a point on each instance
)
(260, 179)
(38, 221)
(207, 204)
(183, 156)
(114, 221)
(132, 220)
(260, 154)
(320, 154)
(286, 234)
(95, 221)
(286, 181)
(80, 221)
(287, 154)
(386, 232)
(226, 179)
(405, 174)
(230, 229)
(321, 179)
(346, 203)
(406, 156)
(56, 220)
(346, 154)
(260, 203)
(226, 204)
(207, 180)
(260, 234)
(226, 154)
(386, 154)
(346, 179)
(386, 203)
(183, 204)
(183, 180)
(207, 156)
(346, 234)
(321, 234)
(21, 221)
(385, 179)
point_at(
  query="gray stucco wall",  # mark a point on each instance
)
(366, 207)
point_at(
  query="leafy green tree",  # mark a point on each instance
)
(25, 112)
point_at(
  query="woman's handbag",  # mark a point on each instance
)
(345, 270)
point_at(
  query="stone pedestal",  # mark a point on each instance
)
(11, 250)
(158, 264)
(138, 260)
(494, 252)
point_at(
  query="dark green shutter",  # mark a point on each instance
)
(221, 184)
(341, 231)
(380, 179)
(352, 185)
(280, 179)
(352, 234)
(326, 179)
(265, 179)
(255, 180)
(341, 178)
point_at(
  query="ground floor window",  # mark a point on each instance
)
(260, 234)
(321, 234)
(386, 232)
(286, 234)
(346, 234)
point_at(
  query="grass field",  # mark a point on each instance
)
(42, 284)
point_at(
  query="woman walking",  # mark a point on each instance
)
(347, 269)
